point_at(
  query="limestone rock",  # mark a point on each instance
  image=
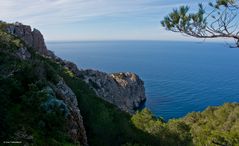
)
(125, 90)
(38, 42)
(75, 122)
(33, 38)
(22, 31)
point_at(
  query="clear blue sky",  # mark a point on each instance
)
(95, 19)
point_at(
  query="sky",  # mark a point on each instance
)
(75, 20)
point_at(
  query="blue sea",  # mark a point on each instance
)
(180, 77)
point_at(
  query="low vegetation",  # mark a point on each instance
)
(214, 126)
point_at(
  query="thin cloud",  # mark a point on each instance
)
(45, 12)
(52, 15)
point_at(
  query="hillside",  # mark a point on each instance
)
(41, 96)
(48, 101)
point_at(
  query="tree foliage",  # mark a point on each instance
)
(172, 133)
(218, 20)
(214, 126)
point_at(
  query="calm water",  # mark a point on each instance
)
(180, 77)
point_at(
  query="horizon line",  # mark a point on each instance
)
(153, 40)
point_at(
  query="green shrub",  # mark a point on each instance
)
(214, 126)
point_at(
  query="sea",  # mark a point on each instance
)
(179, 77)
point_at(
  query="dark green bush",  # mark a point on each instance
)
(214, 126)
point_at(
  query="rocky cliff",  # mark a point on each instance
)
(125, 90)
(75, 121)
(32, 38)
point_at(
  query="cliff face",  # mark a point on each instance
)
(35, 40)
(32, 38)
(125, 90)
(75, 121)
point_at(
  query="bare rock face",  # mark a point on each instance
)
(33, 38)
(38, 42)
(75, 122)
(22, 31)
(125, 90)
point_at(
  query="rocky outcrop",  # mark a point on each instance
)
(125, 90)
(72, 67)
(32, 38)
(75, 125)
(38, 42)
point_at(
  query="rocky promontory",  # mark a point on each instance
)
(125, 90)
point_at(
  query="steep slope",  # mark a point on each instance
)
(125, 90)
(28, 81)
(43, 97)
